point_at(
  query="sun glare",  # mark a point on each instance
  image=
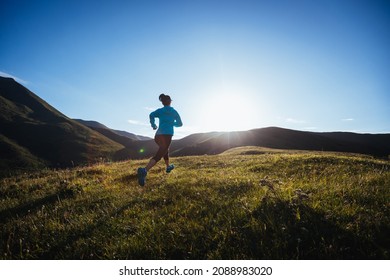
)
(227, 112)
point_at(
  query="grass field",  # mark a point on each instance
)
(247, 203)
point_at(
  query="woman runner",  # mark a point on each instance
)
(168, 118)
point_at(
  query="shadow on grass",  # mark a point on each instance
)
(28, 207)
(275, 229)
(278, 229)
(58, 250)
(128, 179)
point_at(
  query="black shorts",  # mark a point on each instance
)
(163, 141)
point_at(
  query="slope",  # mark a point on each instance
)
(119, 136)
(45, 134)
(280, 138)
(239, 205)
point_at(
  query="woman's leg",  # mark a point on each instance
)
(151, 163)
(166, 159)
(163, 142)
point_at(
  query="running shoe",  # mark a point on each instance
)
(170, 168)
(142, 176)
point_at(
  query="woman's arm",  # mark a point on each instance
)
(178, 122)
(152, 117)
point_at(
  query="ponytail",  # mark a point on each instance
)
(165, 99)
(162, 97)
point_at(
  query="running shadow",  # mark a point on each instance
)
(67, 241)
(288, 230)
(22, 210)
(128, 179)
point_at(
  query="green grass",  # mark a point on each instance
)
(247, 203)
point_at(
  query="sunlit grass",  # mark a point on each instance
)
(248, 203)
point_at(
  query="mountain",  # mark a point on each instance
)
(101, 127)
(34, 134)
(212, 143)
(129, 141)
(280, 138)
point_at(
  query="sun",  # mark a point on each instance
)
(227, 112)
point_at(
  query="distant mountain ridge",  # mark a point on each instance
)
(212, 143)
(99, 127)
(34, 134)
(281, 138)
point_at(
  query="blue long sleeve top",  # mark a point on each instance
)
(168, 118)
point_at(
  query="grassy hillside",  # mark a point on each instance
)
(34, 134)
(15, 156)
(247, 203)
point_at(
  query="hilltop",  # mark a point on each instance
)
(247, 203)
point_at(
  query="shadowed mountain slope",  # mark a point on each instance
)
(35, 133)
(113, 133)
(280, 138)
(212, 143)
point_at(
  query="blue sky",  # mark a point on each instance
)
(228, 65)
